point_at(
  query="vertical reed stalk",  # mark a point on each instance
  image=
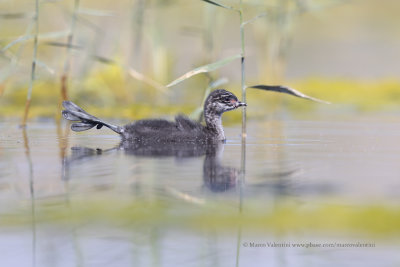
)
(137, 33)
(242, 62)
(243, 145)
(33, 69)
(208, 40)
(67, 64)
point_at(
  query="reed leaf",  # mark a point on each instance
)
(103, 60)
(218, 83)
(54, 35)
(49, 35)
(197, 114)
(219, 4)
(254, 19)
(287, 90)
(140, 77)
(45, 66)
(204, 69)
(59, 44)
(20, 15)
(16, 41)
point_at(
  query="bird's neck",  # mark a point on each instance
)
(214, 123)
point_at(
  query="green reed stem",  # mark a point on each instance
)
(243, 69)
(242, 63)
(67, 64)
(33, 69)
(243, 145)
(137, 32)
(243, 152)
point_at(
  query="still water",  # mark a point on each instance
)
(306, 192)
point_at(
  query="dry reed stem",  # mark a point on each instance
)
(25, 118)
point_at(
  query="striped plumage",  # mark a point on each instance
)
(182, 130)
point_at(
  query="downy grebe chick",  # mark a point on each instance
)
(151, 131)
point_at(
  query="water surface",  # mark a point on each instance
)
(84, 199)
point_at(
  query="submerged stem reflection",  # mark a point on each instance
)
(32, 193)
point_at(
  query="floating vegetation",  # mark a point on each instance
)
(287, 216)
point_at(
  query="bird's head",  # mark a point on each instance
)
(220, 101)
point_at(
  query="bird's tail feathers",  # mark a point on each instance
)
(84, 121)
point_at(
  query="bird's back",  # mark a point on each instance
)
(182, 130)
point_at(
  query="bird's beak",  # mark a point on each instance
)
(241, 104)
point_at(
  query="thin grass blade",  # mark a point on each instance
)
(218, 4)
(197, 114)
(54, 35)
(255, 18)
(147, 80)
(16, 41)
(103, 60)
(205, 68)
(49, 35)
(20, 15)
(287, 90)
(218, 83)
(58, 44)
(45, 66)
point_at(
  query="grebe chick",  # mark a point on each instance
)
(182, 130)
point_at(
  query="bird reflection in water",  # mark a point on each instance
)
(216, 177)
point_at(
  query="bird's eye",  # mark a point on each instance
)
(226, 99)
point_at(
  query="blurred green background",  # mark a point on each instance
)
(331, 173)
(122, 53)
